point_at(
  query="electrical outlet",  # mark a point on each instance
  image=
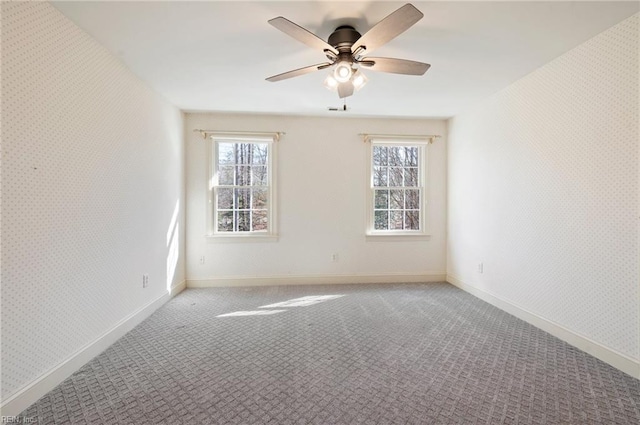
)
(335, 257)
(145, 280)
(202, 259)
(480, 267)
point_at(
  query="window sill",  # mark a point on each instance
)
(242, 238)
(396, 236)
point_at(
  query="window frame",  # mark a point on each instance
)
(212, 184)
(423, 186)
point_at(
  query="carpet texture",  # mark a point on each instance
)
(380, 354)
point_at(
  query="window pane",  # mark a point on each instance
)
(259, 199)
(396, 220)
(412, 199)
(259, 175)
(225, 153)
(225, 221)
(225, 199)
(412, 220)
(382, 199)
(225, 175)
(243, 199)
(395, 176)
(259, 221)
(411, 177)
(396, 155)
(411, 155)
(381, 219)
(243, 174)
(380, 176)
(243, 153)
(397, 199)
(260, 153)
(380, 154)
(243, 219)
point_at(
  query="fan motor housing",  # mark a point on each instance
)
(343, 38)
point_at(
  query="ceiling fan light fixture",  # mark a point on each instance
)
(343, 72)
(359, 80)
(346, 49)
(331, 83)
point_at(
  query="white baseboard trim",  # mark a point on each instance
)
(606, 354)
(314, 280)
(177, 288)
(29, 394)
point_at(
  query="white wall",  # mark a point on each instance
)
(322, 178)
(92, 170)
(543, 189)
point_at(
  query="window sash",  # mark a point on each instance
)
(403, 209)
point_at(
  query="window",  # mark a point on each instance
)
(397, 187)
(242, 187)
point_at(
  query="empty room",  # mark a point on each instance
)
(320, 212)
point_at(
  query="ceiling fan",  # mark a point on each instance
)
(346, 50)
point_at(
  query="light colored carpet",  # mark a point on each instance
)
(380, 354)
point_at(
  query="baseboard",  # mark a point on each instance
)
(177, 288)
(31, 393)
(314, 280)
(606, 354)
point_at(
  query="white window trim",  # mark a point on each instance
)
(271, 234)
(423, 165)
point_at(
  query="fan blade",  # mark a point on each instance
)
(301, 34)
(297, 72)
(396, 66)
(389, 28)
(345, 89)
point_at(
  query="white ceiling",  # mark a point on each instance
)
(215, 56)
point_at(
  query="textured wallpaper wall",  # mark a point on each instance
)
(543, 190)
(91, 178)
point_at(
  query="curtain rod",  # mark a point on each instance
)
(206, 133)
(431, 137)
